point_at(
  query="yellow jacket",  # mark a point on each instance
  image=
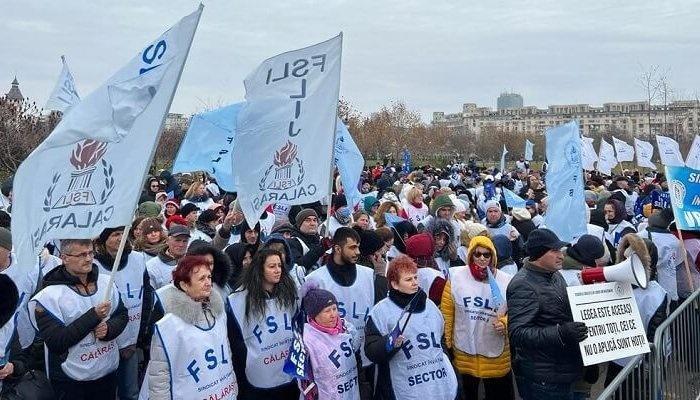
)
(475, 365)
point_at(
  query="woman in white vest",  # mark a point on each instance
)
(413, 206)
(331, 343)
(190, 353)
(78, 326)
(260, 328)
(669, 250)
(403, 337)
(475, 322)
(137, 295)
(618, 227)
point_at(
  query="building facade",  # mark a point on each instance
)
(634, 118)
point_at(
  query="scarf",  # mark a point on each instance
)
(338, 328)
(480, 274)
(497, 224)
(199, 199)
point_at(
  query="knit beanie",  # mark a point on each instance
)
(439, 202)
(304, 214)
(586, 250)
(148, 209)
(504, 249)
(316, 300)
(188, 208)
(106, 232)
(370, 242)
(149, 225)
(420, 246)
(368, 202)
(5, 239)
(492, 204)
(343, 215)
(207, 216)
(175, 219)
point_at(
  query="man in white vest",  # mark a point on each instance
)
(160, 268)
(78, 326)
(357, 289)
(137, 295)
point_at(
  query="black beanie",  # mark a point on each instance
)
(106, 232)
(370, 242)
(586, 250)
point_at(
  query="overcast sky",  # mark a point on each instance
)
(434, 55)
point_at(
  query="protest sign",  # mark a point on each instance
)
(684, 189)
(615, 328)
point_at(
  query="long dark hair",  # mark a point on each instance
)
(284, 292)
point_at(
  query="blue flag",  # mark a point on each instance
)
(684, 190)
(350, 162)
(489, 190)
(496, 294)
(392, 219)
(512, 199)
(406, 161)
(297, 364)
(208, 144)
(566, 213)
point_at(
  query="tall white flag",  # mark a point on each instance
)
(588, 154)
(285, 133)
(645, 151)
(693, 159)
(669, 151)
(606, 158)
(529, 150)
(87, 175)
(503, 159)
(64, 94)
(623, 151)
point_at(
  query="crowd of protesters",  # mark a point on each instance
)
(430, 287)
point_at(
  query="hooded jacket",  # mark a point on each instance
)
(441, 225)
(58, 337)
(312, 241)
(475, 365)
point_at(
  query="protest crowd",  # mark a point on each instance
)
(197, 288)
(394, 281)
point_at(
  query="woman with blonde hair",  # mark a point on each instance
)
(152, 239)
(197, 194)
(414, 207)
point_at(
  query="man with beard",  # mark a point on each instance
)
(356, 287)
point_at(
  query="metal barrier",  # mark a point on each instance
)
(671, 371)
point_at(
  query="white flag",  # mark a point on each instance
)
(606, 158)
(693, 159)
(669, 151)
(64, 94)
(285, 133)
(529, 149)
(623, 151)
(503, 159)
(645, 151)
(588, 154)
(80, 181)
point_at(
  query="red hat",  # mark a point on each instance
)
(175, 219)
(420, 246)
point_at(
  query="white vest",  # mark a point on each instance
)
(614, 231)
(426, 277)
(420, 370)
(474, 313)
(159, 273)
(334, 364)
(670, 257)
(267, 340)
(129, 281)
(443, 266)
(354, 301)
(415, 215)
(91, 358)
(26, 280)
(201, 365)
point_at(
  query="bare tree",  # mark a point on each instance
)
(649, 80)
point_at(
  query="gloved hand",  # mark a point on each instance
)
(573, 332)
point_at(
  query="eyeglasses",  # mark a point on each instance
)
(81, 255)
(480, 254)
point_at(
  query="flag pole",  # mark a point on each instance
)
(125, 235)
(332, 168)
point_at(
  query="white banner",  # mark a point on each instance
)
(693, 159)
(623, 151)
(588, 154)
(503, 159)
(86, 176)
(64, 94)
(669, 151)
(606, 158)
(615, 329)
(529, 150)
(284, 146)
(645, 151)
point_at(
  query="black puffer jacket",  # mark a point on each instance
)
(537, 305)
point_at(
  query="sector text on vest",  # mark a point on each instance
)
(426, 377)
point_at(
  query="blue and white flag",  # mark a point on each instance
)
(644, 151)
(623, 151)
(496, 295)
(406, 161)
(669, 152)
(529, 150)
(86, 175)
(350, 162)
(503, 159)
(208, 144)
(693, 158)
(285, 133)
(606, 158)
(566, 213)
(64, 94)
(684, 189)
(512, 199)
